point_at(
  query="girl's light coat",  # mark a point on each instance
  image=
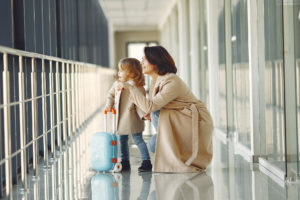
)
(184, 140)
(128, 115)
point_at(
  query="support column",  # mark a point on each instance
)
(261, 72)
(203, 50)
(229, 77)
(254, 78)
(213, 59)
(291, 139)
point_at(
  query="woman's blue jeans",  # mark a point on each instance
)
(139, 141)
(154, 121)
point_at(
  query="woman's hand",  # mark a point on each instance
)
(147, 116)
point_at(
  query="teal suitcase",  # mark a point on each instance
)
(104, 149)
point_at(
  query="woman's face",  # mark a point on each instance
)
(148, 68)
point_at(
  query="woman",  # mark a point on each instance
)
(184, 133)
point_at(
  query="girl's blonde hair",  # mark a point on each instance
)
(133, 70)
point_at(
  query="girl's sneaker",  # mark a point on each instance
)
(125, 165)
(146, 166)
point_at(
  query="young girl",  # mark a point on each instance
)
(128, 115)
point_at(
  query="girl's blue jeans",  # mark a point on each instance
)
(139, 141)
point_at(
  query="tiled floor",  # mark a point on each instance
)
(229, 177)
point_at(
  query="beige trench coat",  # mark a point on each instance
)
(128, 115)
(184, 140)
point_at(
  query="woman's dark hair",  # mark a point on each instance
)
(159, 56)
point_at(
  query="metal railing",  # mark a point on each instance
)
(43, 97)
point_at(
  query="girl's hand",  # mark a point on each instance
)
(147, 116)
(108, 108)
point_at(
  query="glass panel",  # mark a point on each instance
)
(222, 67)
(297, 57)
(274, 83)
(240, 67)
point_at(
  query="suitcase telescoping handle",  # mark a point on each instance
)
(113, 111)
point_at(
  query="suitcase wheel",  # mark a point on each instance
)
(118, 167)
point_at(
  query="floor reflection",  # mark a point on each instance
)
(105, 186)
(183, 186)
(229, 177)
(167, 186)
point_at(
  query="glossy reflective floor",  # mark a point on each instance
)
(228, 177)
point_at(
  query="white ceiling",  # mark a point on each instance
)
(134, 14)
